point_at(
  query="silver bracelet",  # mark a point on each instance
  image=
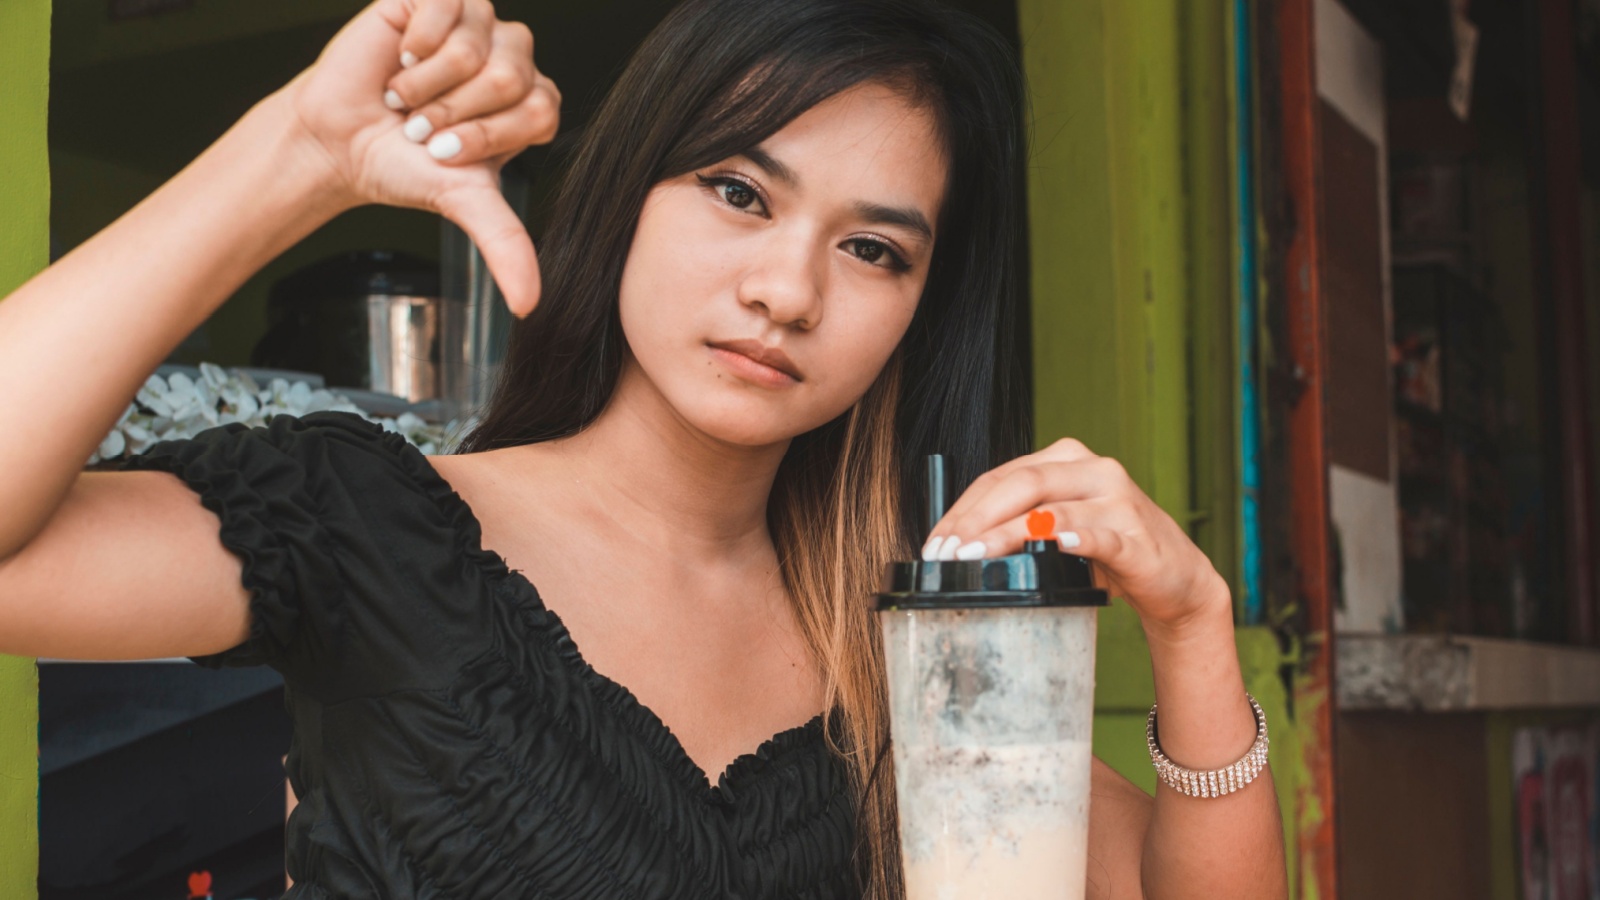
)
(1217, 782)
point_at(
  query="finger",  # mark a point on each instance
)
(459, 60)
(500, 236)
(534, 121)
(428, 27)
(1105, 546)
(503, 82)
(1063, 450)
(1009, 536)
(1066, 449)
(1023, 489)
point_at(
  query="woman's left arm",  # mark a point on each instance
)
(1229, 846)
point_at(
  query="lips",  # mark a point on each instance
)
(771, 357)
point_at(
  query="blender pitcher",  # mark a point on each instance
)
(991, 703)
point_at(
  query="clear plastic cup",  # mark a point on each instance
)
(991, 703)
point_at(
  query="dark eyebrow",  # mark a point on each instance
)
(896, 215)
(772, 167)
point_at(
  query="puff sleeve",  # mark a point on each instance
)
(309, 505)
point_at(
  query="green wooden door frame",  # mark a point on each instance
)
(1132, 195)
(24, 250)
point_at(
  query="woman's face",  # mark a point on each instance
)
(815, 246)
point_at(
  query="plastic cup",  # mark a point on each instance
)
(991, 704)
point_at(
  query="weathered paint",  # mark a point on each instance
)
(24, 250)
(1262, 662)
(1307, 448)
(1242, 115)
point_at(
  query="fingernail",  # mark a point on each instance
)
(392, 100)
(1068, 539)
(444, 146)
(974, 550)
(407, 59)
(417, 128)
(947, 550)
(930, 550)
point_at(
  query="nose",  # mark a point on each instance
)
(786, 282)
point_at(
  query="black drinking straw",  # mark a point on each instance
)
(935, 489)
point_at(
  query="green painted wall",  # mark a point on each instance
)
(1133, 302)
(1108, 236)
(24, 250)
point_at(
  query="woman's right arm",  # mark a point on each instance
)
(129, 565)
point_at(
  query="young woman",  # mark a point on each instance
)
(620, 647)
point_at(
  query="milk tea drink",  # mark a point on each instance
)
(990, 720)
(991, 702)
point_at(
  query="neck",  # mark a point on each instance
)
(650, 472)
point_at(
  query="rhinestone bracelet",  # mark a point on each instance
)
(1217, 782)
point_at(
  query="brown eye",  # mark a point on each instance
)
(737, 194)
(734, 192)
(877, 253)
(869, 251)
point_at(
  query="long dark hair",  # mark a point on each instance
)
(716, 78)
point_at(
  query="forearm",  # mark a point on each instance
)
(1230, 846)
(78, 340)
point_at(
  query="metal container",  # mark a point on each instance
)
(373, 320)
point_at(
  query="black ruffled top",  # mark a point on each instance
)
(449, 740)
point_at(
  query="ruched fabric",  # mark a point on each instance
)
(449, 739)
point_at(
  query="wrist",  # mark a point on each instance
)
(301, 167)
(1207, 616)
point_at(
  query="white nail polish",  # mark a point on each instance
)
(393, 101)
(444, 146)
(1068, 539)
(947, 550)
(417, 129)
(407, 59)
(974, 550)
(930, 550)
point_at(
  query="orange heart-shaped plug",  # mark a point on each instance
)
(199, 884)
(1041, 525)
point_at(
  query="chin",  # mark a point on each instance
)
(740, 425)
(744, 418)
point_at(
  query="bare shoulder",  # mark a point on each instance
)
(482, 477)
(1119, 815)
(500, 486)
(487, 470)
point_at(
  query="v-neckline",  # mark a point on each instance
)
(470, 529)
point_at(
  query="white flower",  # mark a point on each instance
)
(181, 407)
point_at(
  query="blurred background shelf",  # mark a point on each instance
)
(1458, 673)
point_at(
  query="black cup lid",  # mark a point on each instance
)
(1041, 575)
